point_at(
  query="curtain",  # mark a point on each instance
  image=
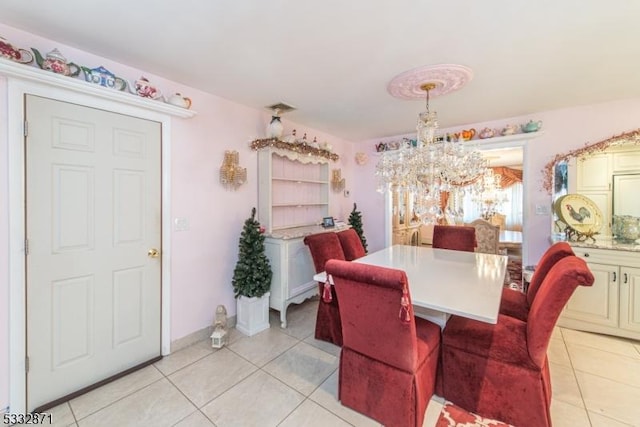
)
(508, 176)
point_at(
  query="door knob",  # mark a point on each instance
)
(153, 253)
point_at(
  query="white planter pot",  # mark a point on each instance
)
(252, 314)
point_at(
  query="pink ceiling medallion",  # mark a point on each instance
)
(446, 77)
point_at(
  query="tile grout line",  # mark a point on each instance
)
(575, 377)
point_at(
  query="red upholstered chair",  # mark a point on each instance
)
(515, 303)
(323, 247)
(351, 244)
(455, 237)
(389, 357)
(501, 371)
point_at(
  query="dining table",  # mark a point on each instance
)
(445, 282)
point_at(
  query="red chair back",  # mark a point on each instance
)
(370, 304)
(554, 254)
(351, 244)
(455, 237)
(323, 247)
(556, 289)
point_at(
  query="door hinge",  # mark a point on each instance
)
(26, 364)
(25, 128)
(26, 246)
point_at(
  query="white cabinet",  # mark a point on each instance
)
(293, 197)
(406, 224)
(612, 304)
(293, 271)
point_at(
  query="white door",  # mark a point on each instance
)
(93, 208)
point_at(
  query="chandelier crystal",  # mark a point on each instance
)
(437, 172)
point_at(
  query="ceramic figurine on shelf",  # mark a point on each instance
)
(509, 130)
(468, 134)
(55, 62)
(143, 88)
(103, 77)
(275, 128)
(7, 51)
(179, 101)
(486, 133)
(532, 126)
(291, 139)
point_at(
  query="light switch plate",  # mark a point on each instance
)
(543, 210)
(180, 224)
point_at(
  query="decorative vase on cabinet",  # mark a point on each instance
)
(275, 128)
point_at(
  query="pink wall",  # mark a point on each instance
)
(203, 257)
(563, 130)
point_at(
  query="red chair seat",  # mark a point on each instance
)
(454, 237)
(516, 304)
(388, 362)
(501, 371)
(351, 244)
(323, 247)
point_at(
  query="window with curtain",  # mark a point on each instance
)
(513, 207)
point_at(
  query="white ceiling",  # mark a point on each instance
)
(333, 59)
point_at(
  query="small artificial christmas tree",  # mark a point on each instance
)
(355, 221)
(252, 275)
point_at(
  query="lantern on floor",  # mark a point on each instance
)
(219, 335)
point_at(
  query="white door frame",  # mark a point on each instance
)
(16, 89)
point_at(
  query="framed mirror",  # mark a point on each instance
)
(606, 173)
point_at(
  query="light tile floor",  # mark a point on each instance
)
(287, 378)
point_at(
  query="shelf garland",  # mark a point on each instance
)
(296, 147)
(548, 171)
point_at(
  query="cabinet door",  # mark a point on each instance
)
(626, 162)
(624, 189)
(594, 173)
(630, 298)
(597, 303)
(300, 268)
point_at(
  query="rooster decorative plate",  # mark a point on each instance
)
(580, 213)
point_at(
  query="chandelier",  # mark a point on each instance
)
(490, 196)
(437, 171)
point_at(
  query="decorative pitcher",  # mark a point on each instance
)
(179, 101)
(54, 61)
(103, 77)
(22, 56)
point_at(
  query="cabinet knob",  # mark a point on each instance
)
(614, 276)
(586, 254)
(626, 278)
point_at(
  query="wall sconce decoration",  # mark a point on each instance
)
(362, 158)
(232, 175)
(337, 182)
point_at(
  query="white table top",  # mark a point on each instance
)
(468, 284)
(510, 236)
